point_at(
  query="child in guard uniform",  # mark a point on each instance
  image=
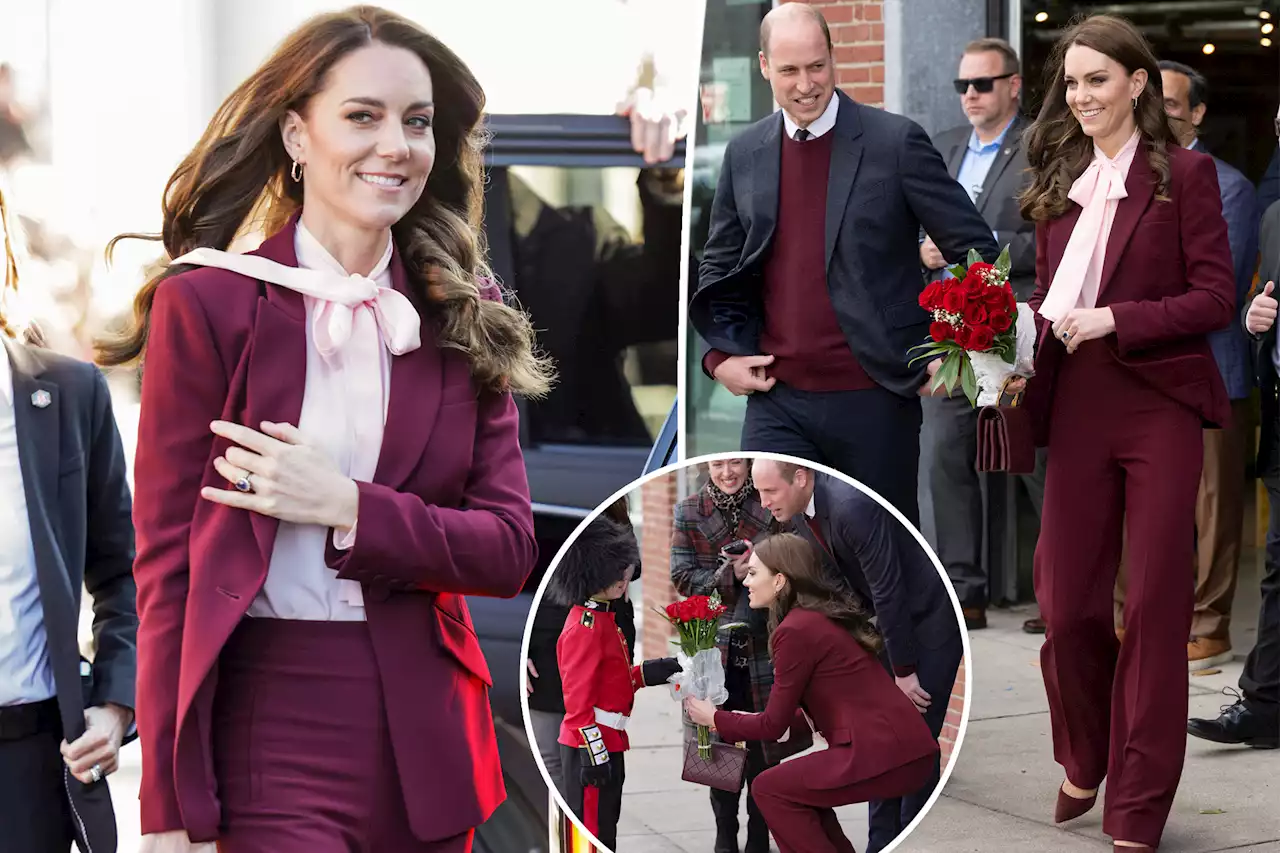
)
(598, 679)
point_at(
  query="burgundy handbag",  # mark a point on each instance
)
(725, 769)
(1005, 440)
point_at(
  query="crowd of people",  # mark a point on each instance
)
(1137, 250)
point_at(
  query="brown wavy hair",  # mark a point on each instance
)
(9, 276)
(1058, 151)
(237, 174)
(809, 587)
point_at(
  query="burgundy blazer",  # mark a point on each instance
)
(447, 515)
(1168, 280)
(870, 726)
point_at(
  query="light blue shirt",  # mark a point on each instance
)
(977, 162)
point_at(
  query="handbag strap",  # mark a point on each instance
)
(1009, 399)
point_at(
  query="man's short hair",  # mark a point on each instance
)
(787, 470)
(996, 45)
(1199, 92)
(766, 28)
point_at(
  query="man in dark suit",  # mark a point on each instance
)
(986, 158)
(1254, 719)
(64, 527)
(1220, 502)
(881, 561)
(810, 275)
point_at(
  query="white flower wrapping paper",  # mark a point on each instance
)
(700, 676)
(991, 370)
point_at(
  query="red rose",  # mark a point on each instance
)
(972, 284)
(975, 314)
(963, 335)
(995, 297)
(941, 332)
(980, 269)
(1000, 321)
(953, 301)
(982, 338)
(673, 610)
(931, 297)
(1013, 301)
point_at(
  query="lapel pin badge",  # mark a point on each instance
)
(41, 399)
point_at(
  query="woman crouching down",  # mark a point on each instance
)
(327, 461)
(824, 662)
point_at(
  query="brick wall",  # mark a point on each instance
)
(857, 35)
(955, 708)
(657, 502)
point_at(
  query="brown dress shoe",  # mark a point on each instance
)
(1206, 653)
(1070, 808)
(1034, 625)
(975, 618)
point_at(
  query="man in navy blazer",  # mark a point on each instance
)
(810, 275)
(877, 557)
(1220, 503)
(64, 527)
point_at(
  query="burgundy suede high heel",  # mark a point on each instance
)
(1070, 808)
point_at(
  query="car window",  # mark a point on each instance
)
(593, 254)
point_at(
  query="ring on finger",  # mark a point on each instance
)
(95, 773)
(244, 484)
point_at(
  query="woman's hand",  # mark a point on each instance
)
(700, 711)
(1084, 324)
(174, 842)
(289, 478)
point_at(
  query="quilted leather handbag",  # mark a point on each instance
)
(1005, 441)
(725, 769)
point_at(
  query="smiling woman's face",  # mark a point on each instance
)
(1100, 93)
(729, 475)
(366, 142)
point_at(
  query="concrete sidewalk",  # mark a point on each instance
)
(1001, 793)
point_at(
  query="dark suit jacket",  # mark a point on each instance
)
(1167, 279)
(998, 201)
(447, 515)
(1264, 346)
(73, 473)
(870, 725)
(886, 181)
(1269, 186)
(884, 564)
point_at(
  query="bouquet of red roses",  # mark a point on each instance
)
(702, 674)
(974, 315)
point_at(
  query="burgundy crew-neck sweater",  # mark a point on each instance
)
(801, 331)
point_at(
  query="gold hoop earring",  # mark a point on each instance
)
(295, 172)
(1135, 105)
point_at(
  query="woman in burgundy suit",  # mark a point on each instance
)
(824, 662)
(327, 461)
(1132, 272)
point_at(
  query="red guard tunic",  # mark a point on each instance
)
(596, 674)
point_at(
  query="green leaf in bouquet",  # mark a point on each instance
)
(948, 373)
(928, 352)
(958, 270)
(1003, 264)
(974, 257)
(1009, 355)
(969, 382)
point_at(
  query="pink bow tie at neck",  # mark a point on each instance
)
(1102, 183)
(342, 300)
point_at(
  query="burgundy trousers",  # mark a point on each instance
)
(802, 818)
(301, 750)
(1122, 458)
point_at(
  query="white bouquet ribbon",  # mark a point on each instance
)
(991, 370)
(700, 676)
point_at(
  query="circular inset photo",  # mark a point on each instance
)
(745, 652)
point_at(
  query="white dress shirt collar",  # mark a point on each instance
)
(820, 125)
(812, 509)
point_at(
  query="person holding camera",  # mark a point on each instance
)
(709, 552)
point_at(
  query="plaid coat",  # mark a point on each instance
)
(699, 532)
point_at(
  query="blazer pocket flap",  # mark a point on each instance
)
(458, 638)
(900, 315)
(838, 737)
(868, 194)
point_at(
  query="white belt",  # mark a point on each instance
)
(611, 719)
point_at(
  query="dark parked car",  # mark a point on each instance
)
(606, 305)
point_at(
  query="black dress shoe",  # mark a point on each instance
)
(1238, 724)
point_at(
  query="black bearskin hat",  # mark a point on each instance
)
(596, 560)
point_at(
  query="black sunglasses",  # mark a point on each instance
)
(981, 85)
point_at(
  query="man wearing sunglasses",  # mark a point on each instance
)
(986, 157)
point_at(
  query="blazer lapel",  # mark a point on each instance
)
(846, 155)
(766, 175)
(1008, 149)
(955, 157)
(1140, 185)
(417, 384)
(277, 361)
(37, 414)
